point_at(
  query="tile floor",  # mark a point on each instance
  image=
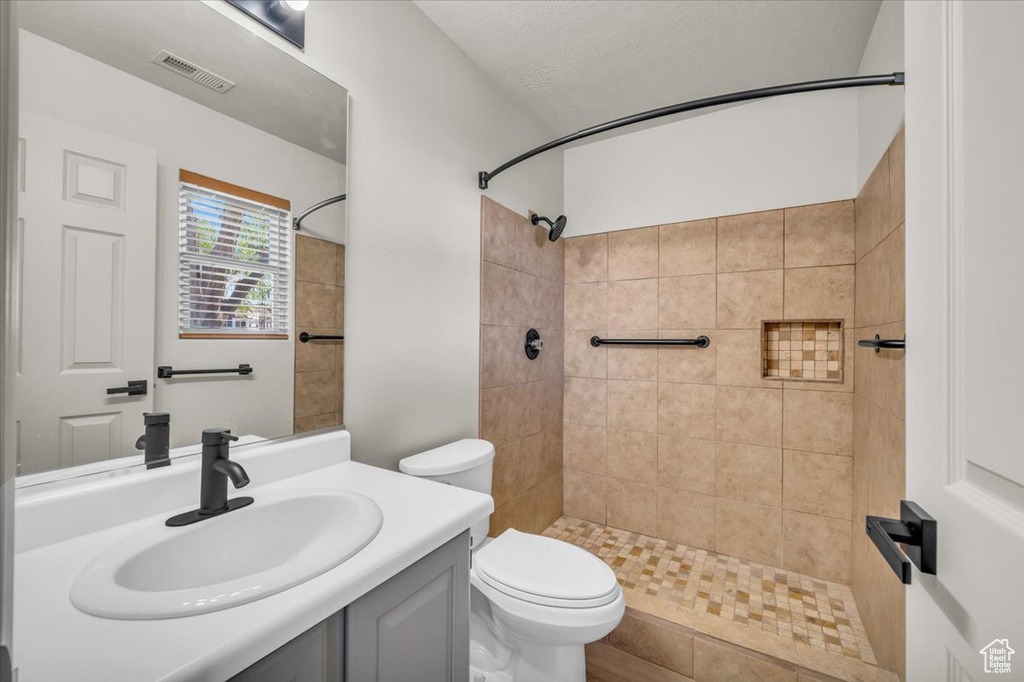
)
(692, 582)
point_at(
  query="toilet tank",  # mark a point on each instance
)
(467, 463)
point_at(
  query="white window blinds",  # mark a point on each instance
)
(233, 262)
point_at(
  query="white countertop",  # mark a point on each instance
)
(55, 642)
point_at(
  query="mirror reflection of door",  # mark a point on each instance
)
(125, 130)
(87, 223)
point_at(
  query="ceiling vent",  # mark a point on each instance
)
(183, 67)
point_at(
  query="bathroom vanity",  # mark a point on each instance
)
(395, 609)
(409, 628)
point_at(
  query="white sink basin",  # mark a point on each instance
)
(278, 542)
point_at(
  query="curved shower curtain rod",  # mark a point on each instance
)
(760, 93)
(297, 222)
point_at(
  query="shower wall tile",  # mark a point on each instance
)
(581, 358)
(633, 254)
(817, 545)
(633, 304)
(685, 364)
(639, 363)
(586, 259)
(496, 306)
(585, 448)
(897, 178)
(549, 500)
(738, 358)
(585, 495)
(687, 518)
(879, 460)
(532, 246)
(820, 234)
(633, 405)
(818, 421)
(707, 461)
(586, 401)
(881, 377)
(881, 291)
(509, 474)
(745, 299)
(751, 416)
(820, 293)
(586, 306)
(749, 473)
(633, 506)
(872, 209)
(750, 241)
(499, 226)
(633, 456)
(686, 302)
(748, 531)
(818, 484)
(532, 455)
(521, 286)
(687, 248)
(318, 399)
(501, 356)
(686, 410)
(686, 464)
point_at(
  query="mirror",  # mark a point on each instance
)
(164, 152)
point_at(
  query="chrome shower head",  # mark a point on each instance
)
(554, 228)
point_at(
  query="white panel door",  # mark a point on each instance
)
(965, 335)
(87, 240)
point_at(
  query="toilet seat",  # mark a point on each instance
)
(544, 571)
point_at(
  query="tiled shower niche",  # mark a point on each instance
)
(802, 350)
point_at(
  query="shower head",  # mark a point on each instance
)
(554, 228)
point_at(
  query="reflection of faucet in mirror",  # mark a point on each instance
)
(217, 469)
(156, 442)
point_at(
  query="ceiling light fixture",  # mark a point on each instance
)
(296, 5)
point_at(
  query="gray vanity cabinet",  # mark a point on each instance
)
(314, 656)
(413, 628)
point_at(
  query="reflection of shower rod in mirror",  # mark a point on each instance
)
(297, 222)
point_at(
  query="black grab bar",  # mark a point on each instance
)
(166, 371)
(879, 343)
(700, 342)
(306, 337)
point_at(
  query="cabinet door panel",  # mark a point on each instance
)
(313, 656)
(416, 625)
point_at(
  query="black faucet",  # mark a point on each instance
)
(217, 469)
(157, 440)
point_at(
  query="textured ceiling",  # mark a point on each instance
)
(578, 63)
(274, 91)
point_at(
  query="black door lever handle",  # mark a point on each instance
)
(915, 530)
(133, 388)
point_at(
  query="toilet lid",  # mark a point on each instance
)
(545, 571)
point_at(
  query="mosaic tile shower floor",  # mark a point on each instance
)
(693, 582)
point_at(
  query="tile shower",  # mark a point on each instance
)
(319, 309)
(720, 456)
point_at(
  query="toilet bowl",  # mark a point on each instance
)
(534, 601)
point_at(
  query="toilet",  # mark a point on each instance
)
(534, 601)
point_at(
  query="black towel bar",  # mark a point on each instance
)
(879, 343)
(700, 342)
(306, 337)
(166, 371)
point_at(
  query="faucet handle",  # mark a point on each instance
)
(217, 436)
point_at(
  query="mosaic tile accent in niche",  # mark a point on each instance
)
(783, 603)
(802, 350)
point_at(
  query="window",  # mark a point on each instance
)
(233, 261)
